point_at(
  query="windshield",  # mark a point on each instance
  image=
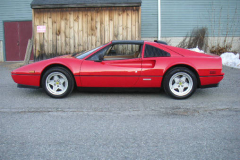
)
(84, 54)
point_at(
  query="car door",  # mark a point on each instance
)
(114, 70)
(154, 62)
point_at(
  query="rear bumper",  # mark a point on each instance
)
(211, 81)
(210, 86)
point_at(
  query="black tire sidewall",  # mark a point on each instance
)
(173, 71)
(68, 76)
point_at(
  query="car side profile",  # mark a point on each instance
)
(125, 64)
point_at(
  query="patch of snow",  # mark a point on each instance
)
(228, 59)
(231, 60)
(196, 50)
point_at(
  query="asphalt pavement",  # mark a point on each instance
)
(120, 125)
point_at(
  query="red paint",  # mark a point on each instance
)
(27, 79)
(16, 39)
(210, 80)
(115, 73)
(135, 72)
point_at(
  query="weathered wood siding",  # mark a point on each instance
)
(77, 29)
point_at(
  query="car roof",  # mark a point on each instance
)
(136, 42)
(127, 42)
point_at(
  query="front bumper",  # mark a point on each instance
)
(27, 79)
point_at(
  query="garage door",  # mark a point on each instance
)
(16, 39)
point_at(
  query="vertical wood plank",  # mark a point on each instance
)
(37, 36)
(45, 35)
(89, 29)
(62, 32)
(80, 31)
(120, 24)
(50, 32)
(124, 23)
(98, 27)
(71, 32)
(93, 29)
(41, 40)
(67, 31)
(75, 29)
(54, 33)
(85, 29)
(33, 32)
(136, 23)
(115, 31)
(59, 31)
(129, 25)
(102, 29)
(106, 18)
(112, 26)
(133, 28)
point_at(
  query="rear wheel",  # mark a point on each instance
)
(180, 83)
(57, 82)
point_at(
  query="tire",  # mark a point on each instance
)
(57, 82)
(180, 83)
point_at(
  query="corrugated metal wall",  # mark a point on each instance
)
(14, 10)
(180, 16)
(149, 16)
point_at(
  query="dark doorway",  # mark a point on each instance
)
(16, 39)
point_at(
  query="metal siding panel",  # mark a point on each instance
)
(149, 18)
(178, 17)
(219, 16)
(14, 10)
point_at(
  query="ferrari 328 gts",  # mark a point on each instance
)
(125, 64)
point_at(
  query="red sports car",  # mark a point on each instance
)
(125, 64)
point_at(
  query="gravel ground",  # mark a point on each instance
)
(135, 125)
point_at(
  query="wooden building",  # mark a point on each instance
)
(60, 28)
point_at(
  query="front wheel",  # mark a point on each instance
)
(180, 83)
(57, 82)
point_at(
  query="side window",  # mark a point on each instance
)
(151, 51)
(96, 55)
(123, 51)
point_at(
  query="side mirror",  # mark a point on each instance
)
(100, 58)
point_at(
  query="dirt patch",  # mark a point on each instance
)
(11, 65)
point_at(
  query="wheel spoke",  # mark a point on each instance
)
(51, 82)
(183, 79)
(61, 87)
(176, 80)
(55, 88)
(185, 85)
(175, 86)
(55, 78)
(180, 89)
(62, 80)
